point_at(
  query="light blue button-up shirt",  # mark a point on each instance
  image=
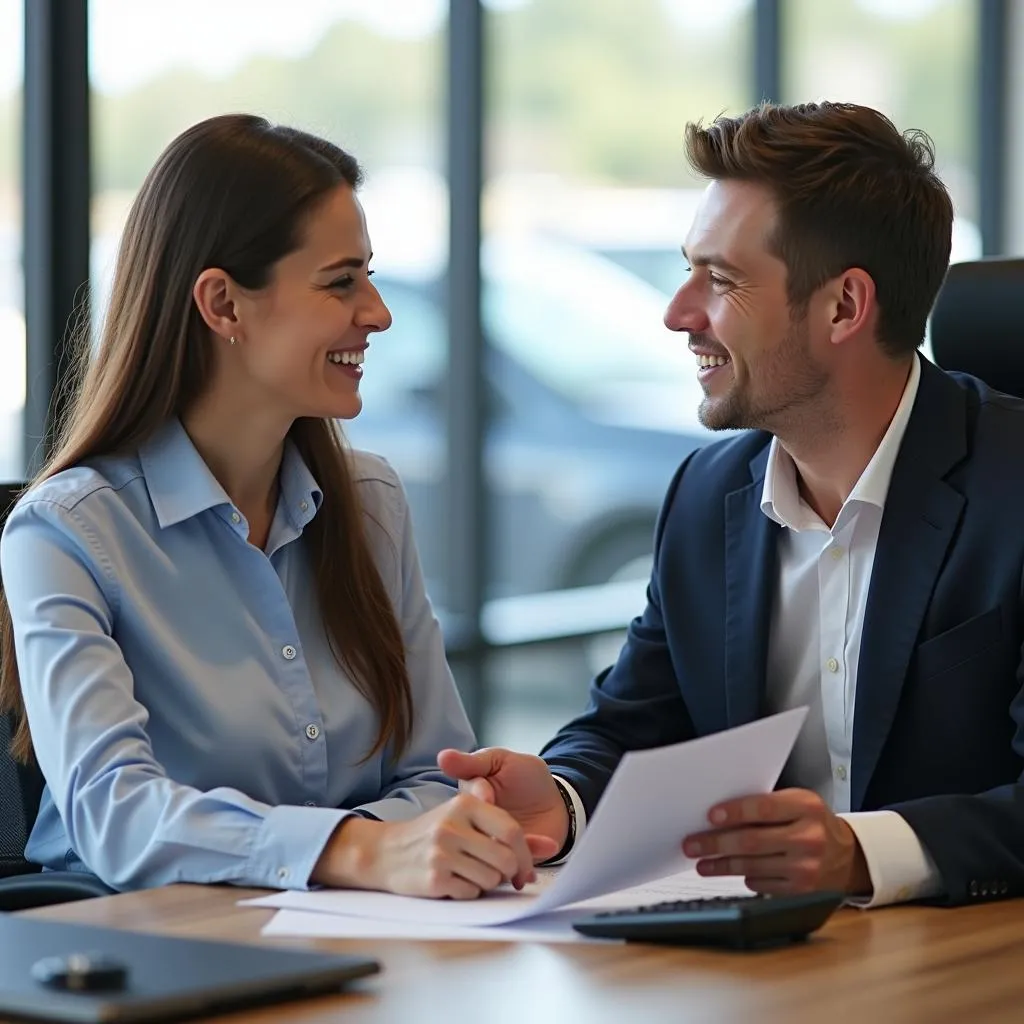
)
(188, 715)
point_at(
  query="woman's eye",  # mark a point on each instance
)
(344, 283)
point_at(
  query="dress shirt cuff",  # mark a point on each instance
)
(581, 819)
(901, 869)
(289, 843)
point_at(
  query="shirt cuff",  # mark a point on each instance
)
(901, 869)
(289, 843)
(581, 819)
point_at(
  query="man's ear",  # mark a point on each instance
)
(853, 304)
(214, 294)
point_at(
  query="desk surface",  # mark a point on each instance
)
(900, 963)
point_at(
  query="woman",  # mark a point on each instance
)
(216, 629)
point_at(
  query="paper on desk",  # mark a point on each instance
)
(552, 927)
(654, 799)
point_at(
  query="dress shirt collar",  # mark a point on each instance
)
(181, 484)
(780, 497)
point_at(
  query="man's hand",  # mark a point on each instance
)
(520, 784)
(784, 842)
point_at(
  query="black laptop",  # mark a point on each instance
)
(70, 972)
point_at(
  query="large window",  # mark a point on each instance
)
(915, 60)
(593, 400)
(12, 321)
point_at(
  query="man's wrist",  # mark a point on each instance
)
(858, 882)
(570, 814)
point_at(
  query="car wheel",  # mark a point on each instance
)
(624, 555)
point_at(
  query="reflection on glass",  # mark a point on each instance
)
(12, 322)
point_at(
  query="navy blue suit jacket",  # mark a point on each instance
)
(939, 716)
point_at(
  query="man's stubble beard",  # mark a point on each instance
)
(788, 383)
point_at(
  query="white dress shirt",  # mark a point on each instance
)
(814, 646)
(821, 593)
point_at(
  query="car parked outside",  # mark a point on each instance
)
(592, 404)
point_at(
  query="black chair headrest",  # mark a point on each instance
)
(978, 322)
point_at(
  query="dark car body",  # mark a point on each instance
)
(575, 482)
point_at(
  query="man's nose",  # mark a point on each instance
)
(685, 312)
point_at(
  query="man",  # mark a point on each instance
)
(858, 550)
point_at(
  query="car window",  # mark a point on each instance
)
(586, 328)
(410, 356)
(664, 268)
(590, 330)
(574, 346)
(574, 317)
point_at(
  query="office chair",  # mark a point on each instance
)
(978, 323)
(23, 885)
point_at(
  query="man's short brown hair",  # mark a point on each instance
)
(852, 191)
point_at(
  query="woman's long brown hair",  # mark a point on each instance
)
(231, 192)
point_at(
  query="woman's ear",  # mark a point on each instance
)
(214, 295)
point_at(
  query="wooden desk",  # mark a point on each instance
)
(898, 964)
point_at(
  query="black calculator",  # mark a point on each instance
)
(739, 922)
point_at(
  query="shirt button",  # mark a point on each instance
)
(311, 803)
(283, 873)
(841, 773)
(973, 887)
(303, 505)
(235, 517)
(312, 730)
(903, 894)
(288, 652)
(837, 553)
(832, 665)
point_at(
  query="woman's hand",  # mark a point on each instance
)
(459, 850)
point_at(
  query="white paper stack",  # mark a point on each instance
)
(654, 799)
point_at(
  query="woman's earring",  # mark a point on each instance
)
(232, 339)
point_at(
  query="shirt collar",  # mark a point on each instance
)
(181, 484)
(780, 497)
(300, 493)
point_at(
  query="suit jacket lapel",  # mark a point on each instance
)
(750, 569)
(920, 518)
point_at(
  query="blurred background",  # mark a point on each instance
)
(526, 197)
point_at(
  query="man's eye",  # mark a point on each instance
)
(718, 282)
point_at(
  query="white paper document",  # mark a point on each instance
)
(654, 799)
(555, 926)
